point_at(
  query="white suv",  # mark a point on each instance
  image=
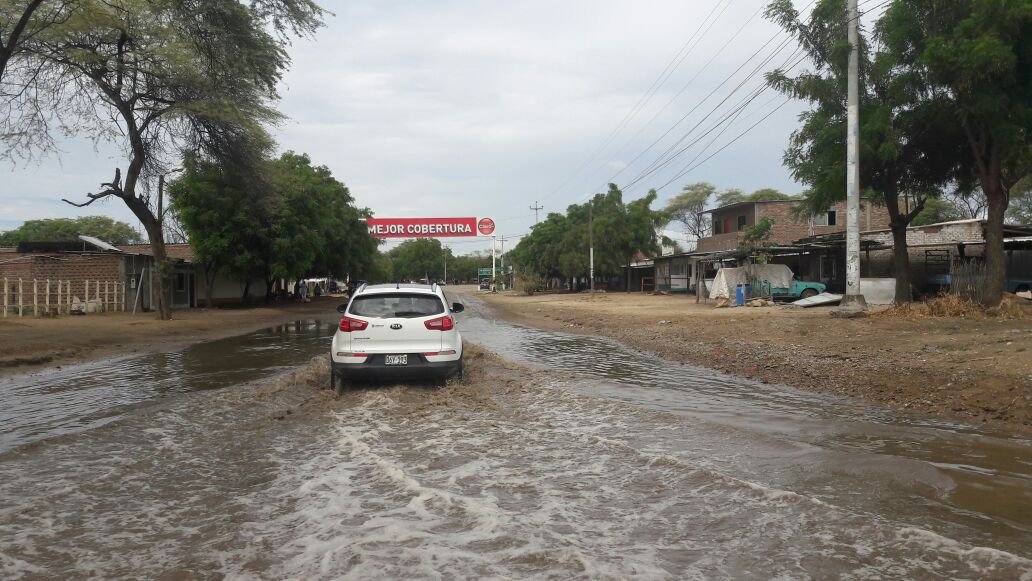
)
(396, 331)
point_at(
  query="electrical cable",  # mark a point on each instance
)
(646, 96)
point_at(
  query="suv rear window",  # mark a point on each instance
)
(396, 305)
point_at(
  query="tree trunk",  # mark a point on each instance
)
(629, 260)
(246, 298)
(900, 252)
(163, 266)
(268, 288)
(211, 270)
(901, 263)
(157, 244)
(995, 258)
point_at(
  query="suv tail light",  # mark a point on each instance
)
(347, 324)
(441, 323)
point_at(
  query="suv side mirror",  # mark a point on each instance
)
(457, 307)
(342, 307)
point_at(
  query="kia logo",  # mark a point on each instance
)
(396, 326)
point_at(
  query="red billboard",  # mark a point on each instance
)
(423, 227)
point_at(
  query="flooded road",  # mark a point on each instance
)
(572, 457)
(80, 397)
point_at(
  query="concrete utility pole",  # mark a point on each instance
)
(591, 246)
(493, 239)
(853, 298)
(536, 207)
(501, 257)
(161, 198)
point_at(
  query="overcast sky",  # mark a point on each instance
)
(465, 108)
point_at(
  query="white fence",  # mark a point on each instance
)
(52, 297)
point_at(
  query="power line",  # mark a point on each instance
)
(664, 75)
(665, 157)
(670, 155)
(681, 92)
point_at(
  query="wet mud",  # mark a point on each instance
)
(564, 459)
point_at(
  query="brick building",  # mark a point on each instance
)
(728, 222)
(122, 277)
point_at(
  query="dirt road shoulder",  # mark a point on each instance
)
(974, 370)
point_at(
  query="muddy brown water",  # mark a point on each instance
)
(589, 460)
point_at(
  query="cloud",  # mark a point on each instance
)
(482, 108)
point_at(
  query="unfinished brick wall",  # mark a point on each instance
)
(76, 269)
(787, 226)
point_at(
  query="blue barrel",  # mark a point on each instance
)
(740, 294)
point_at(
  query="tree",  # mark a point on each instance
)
(539, 251)
(687, 208)
(418, 258)
(558, 247)
(975, 55)
(905, 141)
(643, 224)
(768, 195)
(756, 238)
(168, 75)
(730, 196)
(1020, 209)
(290, 221)
(69, 230)
(938, 210)
(222, 213)
(26, 89)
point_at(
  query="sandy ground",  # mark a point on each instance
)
(27, 343)
(977, 370)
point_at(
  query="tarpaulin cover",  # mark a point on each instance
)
(778, 275)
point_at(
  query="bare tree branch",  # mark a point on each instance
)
(112, 188)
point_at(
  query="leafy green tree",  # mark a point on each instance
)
(69, 230)
(730, 196)
(905, 139)
(687, 207)
(938, 210)
(756, 238)
(768, 195)
(293, 220)
(974, 57)
(163, 76)
(417, 258)
(539, 251)
(222, 213)
(467, 266)
(1020, 209)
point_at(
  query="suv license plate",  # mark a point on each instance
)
(396, 360)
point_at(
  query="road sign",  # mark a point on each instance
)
(486, 226)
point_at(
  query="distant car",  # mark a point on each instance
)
(396, 332)
(800, 289)
(485, 284)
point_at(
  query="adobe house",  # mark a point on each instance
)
(729, 222)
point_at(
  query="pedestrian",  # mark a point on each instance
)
(304, 291)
